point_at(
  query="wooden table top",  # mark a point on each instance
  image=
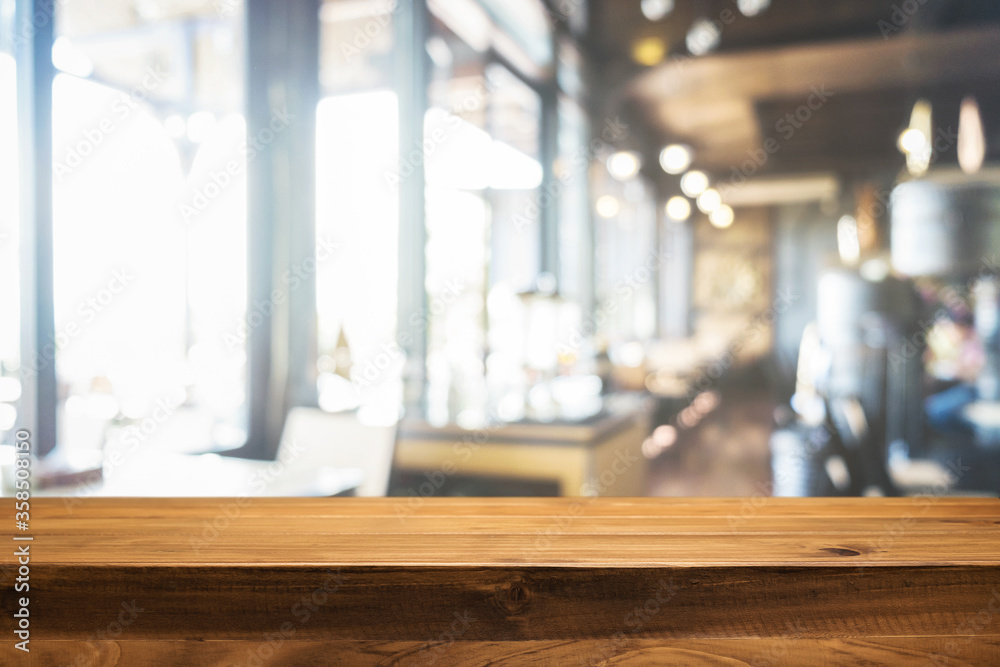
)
(575, 581)
(557, 532)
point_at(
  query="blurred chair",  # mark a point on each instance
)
(341, 441)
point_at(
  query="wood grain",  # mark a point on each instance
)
(918, 651)
(513, 581)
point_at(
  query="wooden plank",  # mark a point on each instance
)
(513, 604)
(473, 580)
(281, 651)
(582, 524)
(457, 550)
(622, 508)
(584, 532)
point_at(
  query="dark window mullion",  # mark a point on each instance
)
(412, 25)
(282, 46)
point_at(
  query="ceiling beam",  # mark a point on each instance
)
(712, 102)
(869, 64)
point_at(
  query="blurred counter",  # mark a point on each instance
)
(599, 455)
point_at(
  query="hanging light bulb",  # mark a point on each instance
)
(752, 7)
(722, 217)
(971, 138)
(709, 200)
(649, 51)
(676, 158)
(654, 10)
(624, 165)
(678, 209)
(848, 241)
(915, 141)
(694, 183)
(912, 140)
(703, 37)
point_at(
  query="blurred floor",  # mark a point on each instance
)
(726, 455)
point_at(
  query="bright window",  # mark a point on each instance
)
(149, 225)
(10, 385)
(357, 223)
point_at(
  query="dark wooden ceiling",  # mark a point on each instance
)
(729, 102)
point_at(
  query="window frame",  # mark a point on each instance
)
(282, 48)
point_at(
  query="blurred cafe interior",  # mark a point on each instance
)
(501, 247)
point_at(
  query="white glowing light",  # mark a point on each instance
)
(709, 200)
(678, 209)
(703, 37)
(694, 183)
(971, 138)
(607, 206)
(875, 270)
(915, 142)
(654, 10)
(722, 217)
(676, 158)
(624, 165)
(631, 354)
(752, 7)
(912, 140)
(848, 241)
